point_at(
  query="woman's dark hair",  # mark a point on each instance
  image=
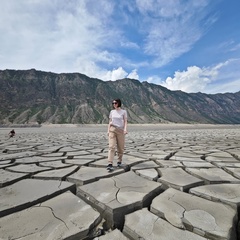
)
(118, 101)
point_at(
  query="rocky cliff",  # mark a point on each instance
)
(30, 96)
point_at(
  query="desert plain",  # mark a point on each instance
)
(178, 181)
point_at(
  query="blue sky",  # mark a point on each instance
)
(188, 45)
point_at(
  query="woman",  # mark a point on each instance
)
(117, 128)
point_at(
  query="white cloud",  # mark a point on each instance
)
(228, 79)
(119, 73)
(229, 46)
(133, 74)
(154, 79)
(95, 71)
(174, 27)
(116, 74)
(127, 44)
(55, 35)
(206, 79)
(236, 47)
(192, 80)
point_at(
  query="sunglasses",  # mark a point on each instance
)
(114, 102)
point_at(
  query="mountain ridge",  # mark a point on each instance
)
(29, 96)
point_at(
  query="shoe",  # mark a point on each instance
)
(119, 164)
(109, 167)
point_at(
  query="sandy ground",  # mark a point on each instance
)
(91, 128)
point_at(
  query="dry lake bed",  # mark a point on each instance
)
(178, 182)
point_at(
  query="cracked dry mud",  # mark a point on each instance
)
(177, 182)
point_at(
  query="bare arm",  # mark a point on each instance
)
(125, 126)
(109, 124)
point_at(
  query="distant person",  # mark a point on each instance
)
(117, 128)
(12, 133)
